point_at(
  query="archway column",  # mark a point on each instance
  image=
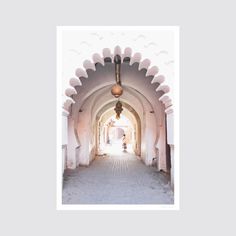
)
(85, 130)
(172, 166)
(150, 131)
(64, 138)
(161, 146)
(170, 140)
(72, 146)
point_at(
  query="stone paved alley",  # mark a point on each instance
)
(119, 178)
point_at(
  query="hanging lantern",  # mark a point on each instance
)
(116, 90)
(118, 109)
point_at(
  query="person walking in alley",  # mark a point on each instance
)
(124, 142)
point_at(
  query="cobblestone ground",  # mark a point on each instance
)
(116, 179)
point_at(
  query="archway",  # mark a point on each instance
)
(147, 76)
(163, 90)
(112, 132)
(141, 83)
(105, 116)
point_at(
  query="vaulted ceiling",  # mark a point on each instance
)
(87, 53)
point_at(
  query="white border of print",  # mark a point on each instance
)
(61, 206)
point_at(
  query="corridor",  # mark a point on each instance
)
(118, 88)
(116, 178)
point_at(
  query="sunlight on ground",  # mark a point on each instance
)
(116, 148)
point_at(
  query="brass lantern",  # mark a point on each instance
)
(118, 109)
(116, 89)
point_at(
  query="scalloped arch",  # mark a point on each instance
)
(106, 55)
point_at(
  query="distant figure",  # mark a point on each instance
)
(124, 145)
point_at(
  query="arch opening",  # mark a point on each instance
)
(110, 130)
(143, 89)
(93, 137)
(157, 78)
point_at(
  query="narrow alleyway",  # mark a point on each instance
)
(116, 178)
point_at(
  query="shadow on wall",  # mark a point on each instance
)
(156, 159)
(92, 154)
(77, 149)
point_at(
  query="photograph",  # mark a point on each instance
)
(117, 117)
(115, 120)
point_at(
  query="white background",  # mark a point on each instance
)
(28, 115)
